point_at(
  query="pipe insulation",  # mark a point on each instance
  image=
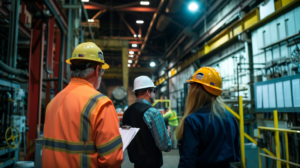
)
(11, 70)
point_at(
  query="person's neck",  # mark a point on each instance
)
(144, 97)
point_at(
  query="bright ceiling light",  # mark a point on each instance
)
(131, 56)
(139, 35)
(152, 64)
(139, 21)
(193, 6)
(131, 52)
(90, 20)
(133, 45)
(129, 61)
(134, 35)
(145, 3)
(85, 0)
(128, 65)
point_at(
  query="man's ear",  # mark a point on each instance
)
(97, 71)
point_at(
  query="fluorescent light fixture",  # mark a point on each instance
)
(134, 35)
(133, 45)
(139, 21)
(152, 64)
(128, 65)
(139, 35)
(85, 0)
(90, 20)
(131, 56)
(129, 61)
(145, 3)
(131, 52)
(193, 6)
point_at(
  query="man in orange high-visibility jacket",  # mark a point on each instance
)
(81, 125)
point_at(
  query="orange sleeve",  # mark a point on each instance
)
(107, 136)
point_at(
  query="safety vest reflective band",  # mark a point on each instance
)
(69, 147)
(110, 146)
(85, 128)
(174, 116)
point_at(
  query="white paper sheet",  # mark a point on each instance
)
(272, 101)
(279, 95)
(287, 93)
(265, 96)
(296, 92)
(259, 97)
(127, 136)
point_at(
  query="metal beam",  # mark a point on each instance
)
(57, 58)
(71, 6)
(35, 85)
(125, 67)
(13, 33)
(96, 6)
(58, 14)
(99, 14)
(129, 27)
(127, 5)
(162, 2)
(61, 63)
(87, 17)
(136, 9)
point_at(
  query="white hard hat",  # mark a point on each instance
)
(142, 82)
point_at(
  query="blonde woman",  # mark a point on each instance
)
(208, 134)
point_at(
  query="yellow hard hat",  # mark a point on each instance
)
(88, 51)
(209, 78)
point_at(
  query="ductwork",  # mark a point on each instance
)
(11, 70)
(163, 21)
(244, 38)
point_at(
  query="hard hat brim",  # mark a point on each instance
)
(104, 66)
(143, 88)
(212, 89)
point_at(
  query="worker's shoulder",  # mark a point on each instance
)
(153, 111)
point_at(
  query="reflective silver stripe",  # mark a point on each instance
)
(69, 147)
(84, 161)
(84, 130)
(110, 146)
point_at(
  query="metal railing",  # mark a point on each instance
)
(240, 117)
(277, 143)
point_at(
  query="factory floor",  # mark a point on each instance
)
(170, 159)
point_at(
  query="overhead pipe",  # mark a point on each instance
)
(11, 70)
(163, 21)
(13, 77)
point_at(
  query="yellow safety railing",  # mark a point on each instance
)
(240, 116)
(168, 102)
(277, 142)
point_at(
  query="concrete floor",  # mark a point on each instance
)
(170, 159)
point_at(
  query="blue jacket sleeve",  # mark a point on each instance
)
(189, 144)
(237, 145)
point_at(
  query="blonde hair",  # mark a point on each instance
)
(196, 98)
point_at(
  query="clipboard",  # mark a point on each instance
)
(127, 135)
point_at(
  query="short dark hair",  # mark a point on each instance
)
(166, 108)
(142, 91)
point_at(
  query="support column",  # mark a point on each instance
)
(70, 36)
(13, 33)
(57, 56)
(61, 62)
(49, 66)
(35, 85)
(125, 51)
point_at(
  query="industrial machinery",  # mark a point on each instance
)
(13, 122)
(119, 97)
